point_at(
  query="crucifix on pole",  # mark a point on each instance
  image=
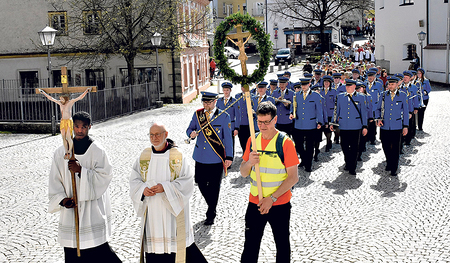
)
(66, 128)
(243, 58)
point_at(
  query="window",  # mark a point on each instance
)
(142, 75)
(239, 9)
(406, 2)
(244, 8)
(57, 78)
(58, 21)
(409, 51)
(224, 9)
(230, 10)
(29, 81)
(95, 77)
(91, 21)
(259, 9)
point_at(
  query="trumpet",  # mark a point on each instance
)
(294, 112)
(419, 90)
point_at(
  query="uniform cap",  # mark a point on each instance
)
(283, 79)
(305, 81)
(337, 75)
(399, 76)
(422, 70)
(207, 96)
(349, 82)
(393, 79)
(407, 73)
(287, 73)
(262, 84)
(317, 71)
(273, 82)
(355, 71)
(297, 85)
(327, 78)
(227, 85)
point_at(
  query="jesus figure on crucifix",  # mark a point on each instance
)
(242, 56)
(66, 124)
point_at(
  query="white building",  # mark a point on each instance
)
(397, 24)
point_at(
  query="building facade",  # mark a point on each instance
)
(23, 60)
(397, 26)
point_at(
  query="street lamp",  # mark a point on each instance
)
(156, 41)
(47, 36)
(421, 35)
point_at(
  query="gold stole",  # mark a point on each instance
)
(175, 163)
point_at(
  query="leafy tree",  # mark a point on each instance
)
(317, 13)
(99, 29)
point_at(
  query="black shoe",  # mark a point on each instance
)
(345, 168)
(316, 158)
(308, 170)
(301, 164)
(394, 172)
(387, 168)
(401, 151)
(407, 143)
(336, 142)
(353, 172)
(372, 143)
(359, 159)
(208, 222)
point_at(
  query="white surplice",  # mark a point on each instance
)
(93, 199)
(162, 208)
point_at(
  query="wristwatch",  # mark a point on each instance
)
(274, 199)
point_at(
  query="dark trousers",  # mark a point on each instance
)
(371, 131)
(208, 177)
(193, 255)
(317, 140)
(421, 114)
(287, 128)
(350, 147)
(304, 144)
(362, 143)
(391, 143)
(278, 218)
(411, 129)
(102, 253)
(244, 134)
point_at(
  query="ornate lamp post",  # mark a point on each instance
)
(47, 36)
(156, 41)
(421, 35)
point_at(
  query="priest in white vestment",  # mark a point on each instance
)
(93, 173)
(161, 184)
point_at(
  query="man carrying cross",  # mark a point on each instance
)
(93, 173)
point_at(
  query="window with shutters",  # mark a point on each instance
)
(91, 22)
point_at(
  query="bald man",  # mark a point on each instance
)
(161, 184)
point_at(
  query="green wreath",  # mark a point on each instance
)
(264, 46)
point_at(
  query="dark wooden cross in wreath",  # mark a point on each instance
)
(66, 128)
(243, 58)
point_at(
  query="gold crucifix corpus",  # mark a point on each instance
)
(66, 127)
(241, 45)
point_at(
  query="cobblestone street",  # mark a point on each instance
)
(335, 217)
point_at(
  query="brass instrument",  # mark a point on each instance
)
(419, 90)
(294, 113)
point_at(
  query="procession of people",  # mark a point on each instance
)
(343, 99)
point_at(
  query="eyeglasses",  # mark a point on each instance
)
(157, 135)
(265, 122)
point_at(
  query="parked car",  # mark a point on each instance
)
(250, 48)
(284, 55)
(231, 52)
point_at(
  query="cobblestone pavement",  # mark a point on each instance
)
(335, 217)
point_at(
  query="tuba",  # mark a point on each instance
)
(419, 90)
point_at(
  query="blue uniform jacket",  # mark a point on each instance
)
(233, 111)
(375, 92)
(309, 111)
(270, 92)
(347, 115)
(425, 88)
(341, 88)
(242, 108)
(283, 112)
(396, 112)
(314, 82)
(255, 106)
(329, 100)
(203, 152)
(413, 96)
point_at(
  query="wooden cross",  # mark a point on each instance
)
(65, 86)
(66, 90)
(243, 57)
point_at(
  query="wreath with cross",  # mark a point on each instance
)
(264, 46)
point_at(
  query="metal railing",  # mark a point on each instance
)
(24, 105)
